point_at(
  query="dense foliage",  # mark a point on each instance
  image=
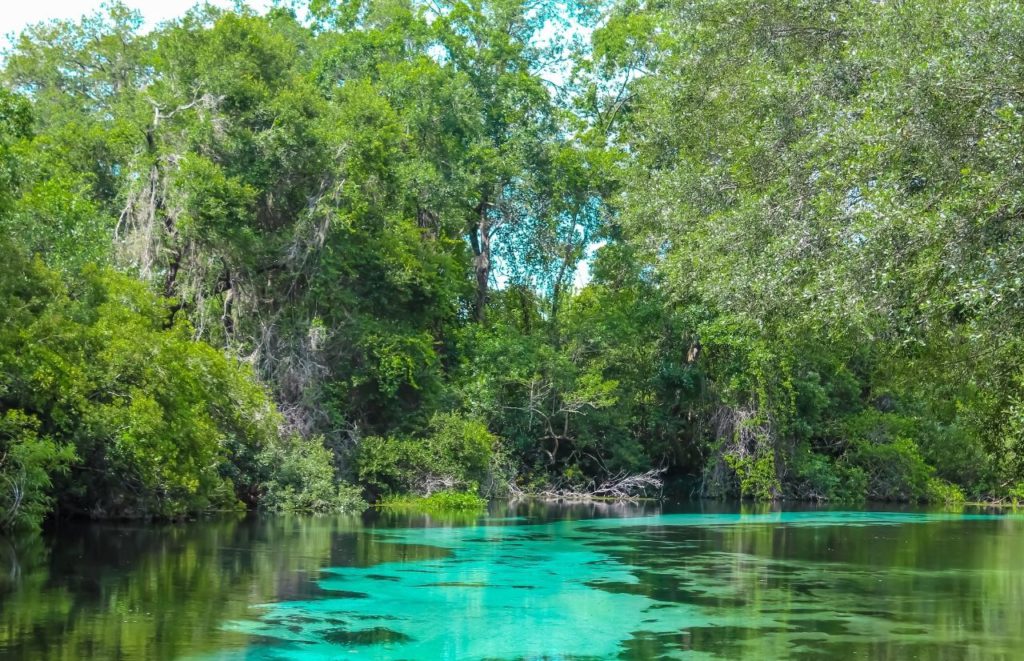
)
(257, 258)
(833, 189)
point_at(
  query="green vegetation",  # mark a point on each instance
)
(456, 453)
(441, 501)
(121, 414)
(298, 259)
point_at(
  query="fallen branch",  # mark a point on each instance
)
(618, 487)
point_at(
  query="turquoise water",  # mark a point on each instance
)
(537, 583)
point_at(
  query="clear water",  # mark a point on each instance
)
(527, 582)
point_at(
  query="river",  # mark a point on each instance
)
(528, 581)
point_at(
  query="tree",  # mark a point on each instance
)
(810, 174)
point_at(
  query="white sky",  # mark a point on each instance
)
(17, 14)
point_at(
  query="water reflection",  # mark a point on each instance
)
(604, 581)
(107, 591)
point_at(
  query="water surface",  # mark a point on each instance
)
(524, 582)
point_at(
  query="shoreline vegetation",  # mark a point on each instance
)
(430, 254)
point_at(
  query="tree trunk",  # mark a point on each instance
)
(480, 240)
(558, 290)
(157, 213)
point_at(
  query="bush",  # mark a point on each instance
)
(441, 501)
(894, 470)
(881, 445)
(27, 463)
(301, 478)
(756, 475)
(92, 367)
(456, 453)
(818, 477)
(1016, 494)
(941, 491)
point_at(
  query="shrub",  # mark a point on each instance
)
(941, 491)
(1016, 494)
(27, 463)
(456, 452)
(894, 470)
(818, 477)
(441, 501)
(92, 367)
(302, 478)
(756, 475)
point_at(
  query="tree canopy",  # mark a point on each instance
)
(261, 257)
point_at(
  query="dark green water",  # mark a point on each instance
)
(528, 582)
